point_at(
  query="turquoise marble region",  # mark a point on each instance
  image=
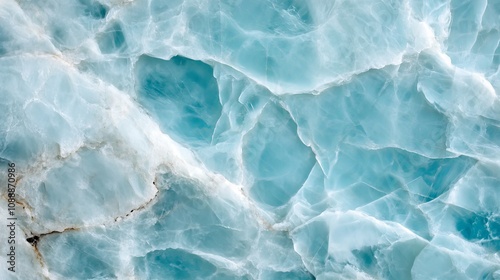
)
(251, 139)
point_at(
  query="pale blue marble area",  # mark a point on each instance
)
(257, 139)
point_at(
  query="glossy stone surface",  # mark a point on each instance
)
(263, 139)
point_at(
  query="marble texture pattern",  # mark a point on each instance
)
(259, 139)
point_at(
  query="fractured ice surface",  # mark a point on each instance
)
(252, 139)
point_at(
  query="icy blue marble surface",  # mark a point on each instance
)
(258, 139)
